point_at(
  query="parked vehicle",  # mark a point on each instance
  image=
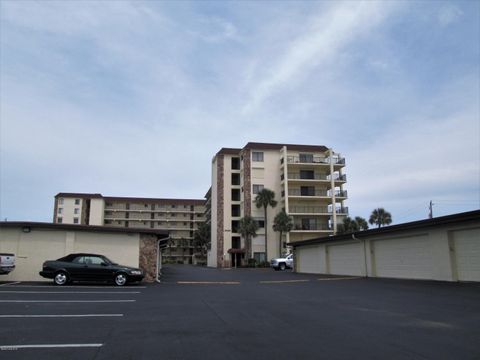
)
(89, 267)
(282, 263)
(7, 263)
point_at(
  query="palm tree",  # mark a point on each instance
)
(349, 225)
(283, 224)
(361, 223)
(201, 238)
(265, 198)
(380, 217)
(247, 227)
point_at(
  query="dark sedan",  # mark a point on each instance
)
(89, 267)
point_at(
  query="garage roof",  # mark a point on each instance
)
(443, 220)
(74, 227)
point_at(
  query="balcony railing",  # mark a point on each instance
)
(337, 177)
(342, 210)
(309, 210)
(294, 176)
(338, 193)
(311, 227)
(307, 160)
(298, 192)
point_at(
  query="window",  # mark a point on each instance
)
(307, 190)
(234, 226)
(257, 156)
(173, 206)
(60, 201)
(257, 188)
(235, 179)
(306, 158)
(235, 194)
(235, 163)
(236, 242)
(59, 220)
(75, 220)
(60, 210)
(76, 211)
(108, 222)
(261, 223)
(146, 206)
(108, 204)
(235, 210)
(307, 174)
(77, 201)
(259, 257)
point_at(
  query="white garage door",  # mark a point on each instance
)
(309, 260)
(346, 259)
(407, 258)
(467, 254)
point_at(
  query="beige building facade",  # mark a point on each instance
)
(308, 182)
(180, 217)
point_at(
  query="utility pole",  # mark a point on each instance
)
(430, 208)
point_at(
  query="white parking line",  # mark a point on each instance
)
(43, 346)
(66, 301)
(284, 281)
(12, 283)
(72, 286)
(60, 316)
(68, 292)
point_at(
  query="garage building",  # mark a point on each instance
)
(445, 248)
(33, 243)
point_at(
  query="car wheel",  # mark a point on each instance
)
(120, 279)
(282, 266)
(61, 278)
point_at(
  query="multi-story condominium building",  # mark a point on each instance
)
(178, 216)
(308, 182)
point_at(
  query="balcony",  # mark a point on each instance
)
(309, 193)
(311, 227)
(309, 210)
(337, 177)
(342, 210)
(296, 176)
(338, 193)
(307, 160)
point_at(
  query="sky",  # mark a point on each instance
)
(135, 98)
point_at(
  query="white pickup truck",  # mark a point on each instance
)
(282, 263)
(7, 263)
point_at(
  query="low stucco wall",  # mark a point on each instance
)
(33, 248)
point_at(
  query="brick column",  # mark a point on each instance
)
(148, 257)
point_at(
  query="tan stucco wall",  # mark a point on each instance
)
(440, 264)
(33, 248)
(97, 207)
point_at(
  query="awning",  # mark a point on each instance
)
(236, 251)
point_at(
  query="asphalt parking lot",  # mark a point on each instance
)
(200, 313)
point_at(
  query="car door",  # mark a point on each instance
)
(98, 269)
(290, 260)
(76, 268)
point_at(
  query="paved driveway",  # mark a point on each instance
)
(200, 313)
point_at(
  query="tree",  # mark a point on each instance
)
(247, 227)
(265, 198)
(380, 217)
(361, 223)
(283, 224)
(349, 225)
(201, 238)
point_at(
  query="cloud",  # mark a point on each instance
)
(449, 14)
(323, 40)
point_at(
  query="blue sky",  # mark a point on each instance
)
(134, 98)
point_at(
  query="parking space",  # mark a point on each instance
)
(200, 313)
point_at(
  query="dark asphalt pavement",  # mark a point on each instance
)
(201, 313)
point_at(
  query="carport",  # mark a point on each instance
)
(34, 242)
(445, 248)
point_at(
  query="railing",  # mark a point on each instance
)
(309, 210)
(298, 192)
(307, 160)
(294, 176)
(338, 193)
(337, 177)
(342, 210)
(311, 227)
